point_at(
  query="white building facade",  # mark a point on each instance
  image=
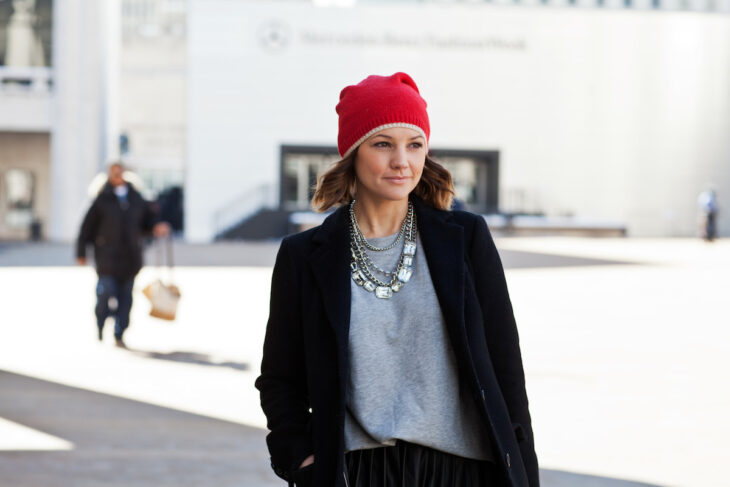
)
(74, 77)
(57, 59)
(611, 114)
(607, 110)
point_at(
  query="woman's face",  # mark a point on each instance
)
(389, 164)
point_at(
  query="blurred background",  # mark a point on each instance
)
(603, 113)
(562, 121)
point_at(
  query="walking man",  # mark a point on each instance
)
(115, 223)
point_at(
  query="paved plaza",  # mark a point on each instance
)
(626, 344)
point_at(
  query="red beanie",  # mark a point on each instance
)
(377, 103)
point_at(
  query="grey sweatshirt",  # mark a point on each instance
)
(403, 381)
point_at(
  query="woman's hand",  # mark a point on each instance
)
(162, 229)
(307, 461)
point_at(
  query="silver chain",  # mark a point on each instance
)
(364, 269)
(364, 241)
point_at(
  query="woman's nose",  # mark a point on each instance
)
(400, 158)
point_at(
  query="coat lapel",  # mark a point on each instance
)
(330, 263)
(443, 244)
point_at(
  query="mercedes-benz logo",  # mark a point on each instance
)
(274, 35)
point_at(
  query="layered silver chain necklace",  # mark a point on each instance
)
(364, 270)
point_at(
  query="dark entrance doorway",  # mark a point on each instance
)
(475, 173)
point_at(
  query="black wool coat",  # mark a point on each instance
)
(304, 370)
(116, 231)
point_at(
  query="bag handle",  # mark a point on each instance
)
(164, 254)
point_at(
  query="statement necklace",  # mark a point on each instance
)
(363, 269)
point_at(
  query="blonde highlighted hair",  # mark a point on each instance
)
(337, 185)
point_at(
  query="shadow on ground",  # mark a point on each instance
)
(248, 254)
(190, 358)
(559, 478)
(518, 259)
(121, 442)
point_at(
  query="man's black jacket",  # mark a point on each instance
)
(115, 227)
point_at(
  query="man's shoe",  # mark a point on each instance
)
(120, 343)
(100, 336)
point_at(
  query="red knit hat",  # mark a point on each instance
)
(377, 103)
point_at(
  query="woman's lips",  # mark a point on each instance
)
(397, 179)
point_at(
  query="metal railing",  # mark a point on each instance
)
(244, 206)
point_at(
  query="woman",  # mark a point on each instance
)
(391, 355)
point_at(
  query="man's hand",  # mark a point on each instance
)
(162, 229)
(307, 461)
(81, 260)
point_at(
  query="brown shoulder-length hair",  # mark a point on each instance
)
(336, 186)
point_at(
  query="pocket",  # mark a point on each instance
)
(303, 476)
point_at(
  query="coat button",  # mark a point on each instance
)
(509, 461)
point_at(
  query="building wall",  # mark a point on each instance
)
(153, 89)
(621, 115)
(26, 110)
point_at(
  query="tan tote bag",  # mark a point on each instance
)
(164, 297)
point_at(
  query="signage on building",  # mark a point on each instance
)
(277, 35)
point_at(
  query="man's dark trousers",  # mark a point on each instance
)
(119, 288)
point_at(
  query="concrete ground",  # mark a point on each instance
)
(626, 344)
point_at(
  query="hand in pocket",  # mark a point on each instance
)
(303, 476)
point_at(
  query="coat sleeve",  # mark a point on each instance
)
(89, 227)
(503, 340)
(282, 382)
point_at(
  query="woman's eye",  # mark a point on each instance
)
(386, 144)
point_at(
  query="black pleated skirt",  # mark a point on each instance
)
(410, 465)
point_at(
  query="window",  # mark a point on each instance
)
(301, 166)
(475, 175)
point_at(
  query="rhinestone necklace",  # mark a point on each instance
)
(364, 270)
